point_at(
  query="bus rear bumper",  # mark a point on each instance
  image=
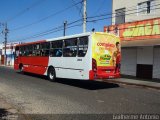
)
(108, 75)
(103, 75)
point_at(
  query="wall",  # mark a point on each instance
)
(9, 52)
(132, 5)
(156, 62)
(145, 55)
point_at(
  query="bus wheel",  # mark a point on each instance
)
(51, 74)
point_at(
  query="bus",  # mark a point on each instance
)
(86, 56)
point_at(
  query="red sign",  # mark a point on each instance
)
(146, 29)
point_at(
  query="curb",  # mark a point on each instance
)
(136, 84)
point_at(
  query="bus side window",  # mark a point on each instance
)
(56, 48)
(29, 50)
(70, 48)
(36, 49)
(17, 53)
(22, 51)
(82, 46)
(45, 47)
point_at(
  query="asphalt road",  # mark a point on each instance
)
(34, 94)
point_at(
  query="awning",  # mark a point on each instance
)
(136, 43)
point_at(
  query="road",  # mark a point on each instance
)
(34, 94)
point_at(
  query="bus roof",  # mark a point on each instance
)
(66, 37)
(29, 43)
(70, 36)
(79, 35)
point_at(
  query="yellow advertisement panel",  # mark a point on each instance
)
(104, 49)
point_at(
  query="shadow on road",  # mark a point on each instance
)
(85, 84)
(90, 85)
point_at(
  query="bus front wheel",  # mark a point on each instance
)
(51, 74)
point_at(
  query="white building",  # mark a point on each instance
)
(138, 24)
(10, 49)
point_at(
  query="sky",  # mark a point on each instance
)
(31, 20)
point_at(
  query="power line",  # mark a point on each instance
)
(107, 14)
(25, 10)
(59, 28)
(45, 18)
(98, 19)
(79, 9)
(100, 7)
(58, 12)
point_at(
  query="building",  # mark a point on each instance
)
(137, 22)
(0, 52)
(10, 49)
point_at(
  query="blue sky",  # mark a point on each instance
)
(21, 13)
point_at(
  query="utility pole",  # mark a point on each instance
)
(84, 15)
(65, 25)
(5, 32)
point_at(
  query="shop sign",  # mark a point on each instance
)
(139, 30)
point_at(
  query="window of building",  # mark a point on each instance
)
(70, 47)
(146, 7)
(82, 46)
(56, 48)
(120, 16)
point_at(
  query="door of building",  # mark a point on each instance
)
(129, 61)
(2, 59)
(144, 71)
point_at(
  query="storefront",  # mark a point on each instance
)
(140, 47)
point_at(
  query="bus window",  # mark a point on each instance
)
(82, 46)
(16, 54)
(22, 50)
(70, 48)
(36, 46)
(44, 53)
(45, 49)
(36, 50)
(45, 45)
(29, 50)
(56, 48)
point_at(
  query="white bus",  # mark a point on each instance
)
(86, 56)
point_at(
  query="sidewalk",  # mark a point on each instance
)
(148, 84)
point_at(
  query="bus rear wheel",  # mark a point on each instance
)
(51, 74)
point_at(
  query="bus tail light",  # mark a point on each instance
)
(94, 65)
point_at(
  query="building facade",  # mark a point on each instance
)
(137, 22)
(10, 49)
